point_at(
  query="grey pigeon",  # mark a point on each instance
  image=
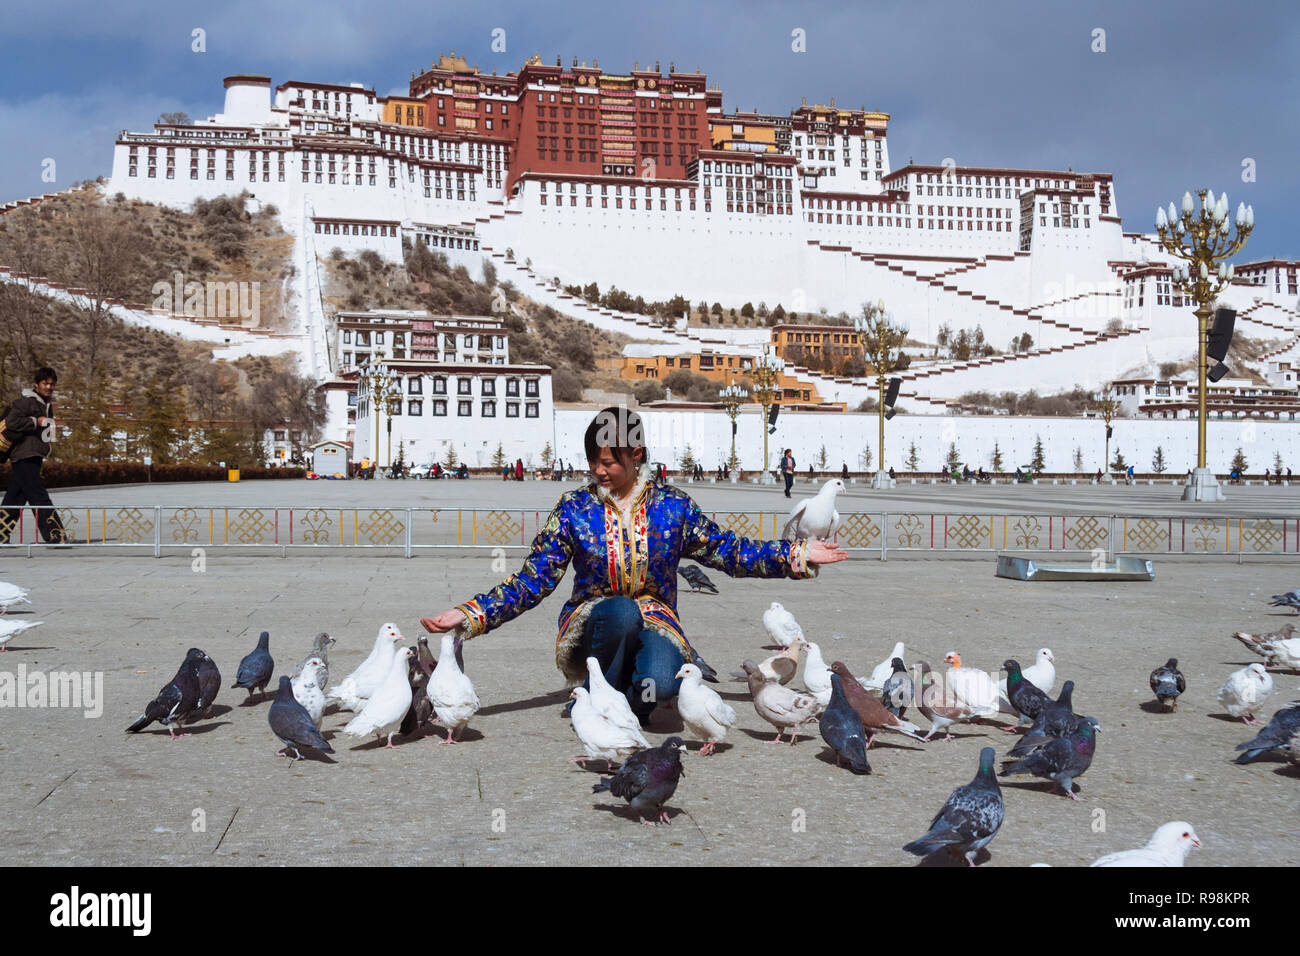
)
(648, 778)
(256, 668)
(1167, 683)
(842, 729)
(1062, 758)
(209, 684)
(290, 722)
(696, 578)
(177, 700)
(898, 692)
(1291, 599)
(320, 648)
(970, 818)
(1056, 719)
(1027, 699)
(1279, 733)
(420, 713)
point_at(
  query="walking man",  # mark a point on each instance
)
(787, 469)
(30, 418)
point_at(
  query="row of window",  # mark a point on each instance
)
(353, 229)
(465, 409)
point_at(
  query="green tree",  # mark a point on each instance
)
(913, 459)
(499, 457)
(688, 459)
(717, 308)
(997, 458)
(452, 461)
(1119, 464)
(1239, 463)
(547, 455)
(1158, 462)
(1039, 461)
(865, 458)
(747, 310)
(821, 459)
(953, 461)
(1078, 458)
(1277, 463)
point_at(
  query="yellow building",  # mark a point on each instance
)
(836, 342)
(656, 362)
(403, 111)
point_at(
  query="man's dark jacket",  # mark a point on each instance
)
(21, 422)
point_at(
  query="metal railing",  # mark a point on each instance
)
(411, 530)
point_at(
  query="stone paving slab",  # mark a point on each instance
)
(79, 790)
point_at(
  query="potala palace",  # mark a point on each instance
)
(639, 180)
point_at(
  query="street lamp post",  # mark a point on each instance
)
(381, 390)
(882, 338)
(1108, 406)
(1202, 240)
(768, 370)
(732, 396)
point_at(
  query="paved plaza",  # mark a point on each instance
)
(78, 790)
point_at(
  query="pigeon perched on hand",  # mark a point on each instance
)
(1245, 692)
(1056, 719)
(292, 724)
(696, 578)
(1278, 734)
(256, 668)
(781, 625)
(1168, 846)
(11, 594)
(780, 706)
(1062, 758)
(1291, 599)
(842, 729)
(648, 779)
(177, 700)
(354, 690)
(386, 707)
(1167, 683)
(704, 713)
(971, 817)
(874, 714)
(816, 517)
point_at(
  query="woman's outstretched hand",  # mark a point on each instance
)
(819, 552)
(447, 620)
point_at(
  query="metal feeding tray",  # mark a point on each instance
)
(1027, 569)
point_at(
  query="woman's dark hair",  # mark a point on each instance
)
(45, 373)
(616, 428)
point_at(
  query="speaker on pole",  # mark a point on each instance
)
(771, 418)
(1217, 341)
(891, 396)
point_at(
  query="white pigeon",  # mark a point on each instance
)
(781, 625)
(884, 670)
(815, 517)
(307, 688)
(1284, 653)
(600, 737)
(972, 686)
(11, 594)
(610, 703)
(704, 713)
(11, 629)
(353, 691)
(1245, 691)
(452, 693)
(816, 675)
(386, 707)
(1041, 673)
(1169, 846)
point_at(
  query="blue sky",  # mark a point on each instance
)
(1183, 94)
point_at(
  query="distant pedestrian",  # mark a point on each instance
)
(1128, 475)
(30, 421)
(519, 469)
(787, 469)
(844, 471)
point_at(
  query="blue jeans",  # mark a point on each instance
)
(640, 662)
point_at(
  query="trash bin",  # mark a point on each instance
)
(232, 474)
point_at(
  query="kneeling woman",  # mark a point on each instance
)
(625, 535)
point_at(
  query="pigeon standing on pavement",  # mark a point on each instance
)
(696, 578)
(816, 517)
(291, 722)
(452, 693)
(781, 625)
(842, 729)
(320, 650)
(1041, 673)
(1245, 692)
(1278, 734)
(704, 713)
(970, 819)
(897, 692)
(648, 779)
(1262, 644)
(939, 705)
(176, 701)
(780, 706)
(883, 670)
(256, 668)
(874, 714)
(1062, 758)
(1025, 699)
(1056, 719)
(420, 669)
(601, 738)
(353, 691)
(308, 687)
(1291, 599)
(386, 707)
(1168, 846)
(11, 594)
(11, 629)
(1167, 683)
(816, 675)
(972, 685)
(209, 684)
(780, 667)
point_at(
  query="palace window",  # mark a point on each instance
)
(531, 410)
(439, 407)
(464, 409)
(531, 388)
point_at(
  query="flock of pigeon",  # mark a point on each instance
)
(11, 594)
(396, 690)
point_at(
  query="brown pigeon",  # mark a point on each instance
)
(875, 715)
